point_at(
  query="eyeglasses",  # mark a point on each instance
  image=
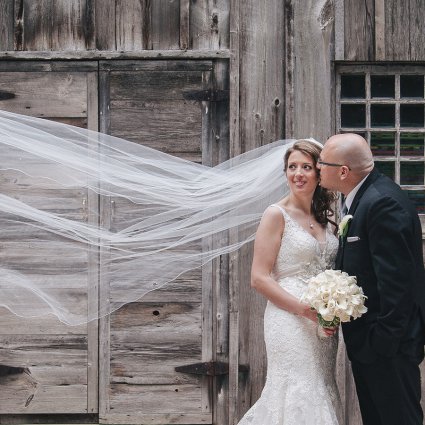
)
(331, 164)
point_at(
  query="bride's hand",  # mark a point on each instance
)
(308, 313)
(330, 331)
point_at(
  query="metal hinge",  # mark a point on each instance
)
(209, 368)
(209, 95)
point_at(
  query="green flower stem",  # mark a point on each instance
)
(328, 323)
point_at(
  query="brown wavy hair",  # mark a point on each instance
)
(322, 198)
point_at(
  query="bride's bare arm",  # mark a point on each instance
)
(267, 244)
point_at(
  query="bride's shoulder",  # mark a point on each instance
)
(273, 216)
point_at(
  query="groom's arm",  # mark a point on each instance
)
(390, 239)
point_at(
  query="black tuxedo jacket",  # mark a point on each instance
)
(383, 249)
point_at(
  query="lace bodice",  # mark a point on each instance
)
(300, 388)
(301, 255)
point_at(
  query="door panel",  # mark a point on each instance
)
(149, 102)
(60, 361)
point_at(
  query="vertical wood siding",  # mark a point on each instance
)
(388, 30)
(122, 25)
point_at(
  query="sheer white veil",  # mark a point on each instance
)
(79, 209)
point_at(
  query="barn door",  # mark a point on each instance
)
(61, 361)
(157, 355)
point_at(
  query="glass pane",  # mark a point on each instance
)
(418, 199)
(382, 86)
(387, 168)
(412, 86)
(411, 115)
(353, 116)
(382, 115)
(353, 86)
(382, 144)
(412, 172)
(412, 144)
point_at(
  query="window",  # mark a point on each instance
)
(386, 105)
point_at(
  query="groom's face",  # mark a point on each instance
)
(329, 166)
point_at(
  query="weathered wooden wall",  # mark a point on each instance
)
(380, 30)
(113, 25)
(276, 58)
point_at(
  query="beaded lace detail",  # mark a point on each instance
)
(300, 386)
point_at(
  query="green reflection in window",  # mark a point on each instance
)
(412, 115)
(412, 173)
(418, 199)
(353, 116)
(382, 115)
(382, 86)
(412, 86)
(387, 168)
(412, 144)
(353, 86)
(382, 144)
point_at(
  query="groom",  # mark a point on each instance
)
(383, 249)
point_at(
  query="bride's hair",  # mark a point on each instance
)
(322, 198)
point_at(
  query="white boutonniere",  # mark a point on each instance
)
(344, 225)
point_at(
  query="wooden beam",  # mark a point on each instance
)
(103, 55)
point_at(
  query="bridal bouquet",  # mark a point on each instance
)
(335, 296)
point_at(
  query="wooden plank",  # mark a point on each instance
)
(209, 23)
(45, 95)
(68, 24)
(157, 419)
(380, 29)
(397, 24)
(184, 24)
(166, 86)
(110, 55)
(339, 30)
(165, 24)
(261, 74)
(289, 70)
(313, 52)
(234, 71)
(105, 222)
(133, 24)
(417, 35)
(359, 29)
(46, 66)
(6, 24)
(36, 24)
(105, 21)
(57, 371)
(183, 399)
(93, 261)
(10, 324)
(155, 65)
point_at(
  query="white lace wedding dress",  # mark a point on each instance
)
(300, 387)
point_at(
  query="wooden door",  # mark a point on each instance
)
(60, 361)
(166, 105)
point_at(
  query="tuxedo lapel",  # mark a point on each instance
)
(371, 178)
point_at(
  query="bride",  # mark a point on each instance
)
(295, 241)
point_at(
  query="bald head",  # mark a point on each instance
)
(352, 150)
(345, 160)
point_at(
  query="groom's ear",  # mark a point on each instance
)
(344, 171)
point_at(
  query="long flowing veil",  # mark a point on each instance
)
(80, 208)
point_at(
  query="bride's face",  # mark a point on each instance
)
(301, 173)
